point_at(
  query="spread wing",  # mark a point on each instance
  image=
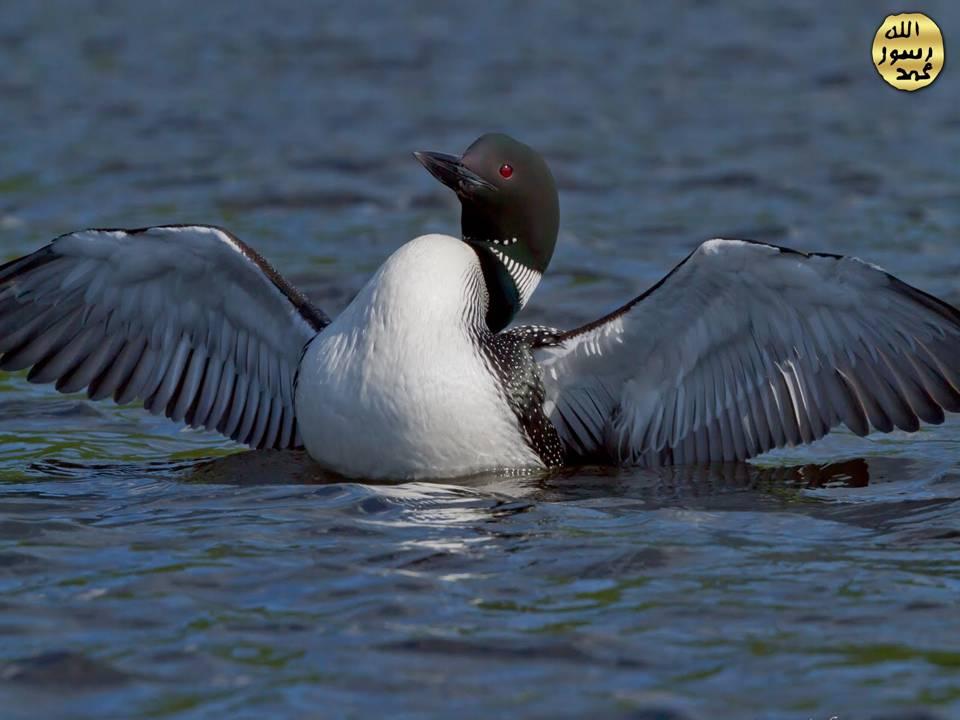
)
(185, 318)
(745, 347)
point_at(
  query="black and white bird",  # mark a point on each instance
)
(743, 347)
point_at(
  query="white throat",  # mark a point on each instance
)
(525, 279)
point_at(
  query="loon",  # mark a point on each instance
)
(741, 348)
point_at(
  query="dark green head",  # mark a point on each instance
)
(510, 215)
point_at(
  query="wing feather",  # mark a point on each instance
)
(230, 422)
(93, 365)
(206, 393)
(250, 408)
(225, 390)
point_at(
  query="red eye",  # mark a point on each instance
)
(506, 171)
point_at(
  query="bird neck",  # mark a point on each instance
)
(504, 300)
(513, 253)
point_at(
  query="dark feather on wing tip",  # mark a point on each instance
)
(934, 304)
(22, 265)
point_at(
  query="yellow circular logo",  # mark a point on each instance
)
(908, 51)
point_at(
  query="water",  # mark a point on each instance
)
(150, 572)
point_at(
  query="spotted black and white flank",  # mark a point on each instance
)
(743, 347)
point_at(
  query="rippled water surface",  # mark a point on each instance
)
(150, 572)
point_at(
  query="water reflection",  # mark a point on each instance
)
(267, 467)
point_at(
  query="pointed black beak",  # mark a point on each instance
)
(449, 170)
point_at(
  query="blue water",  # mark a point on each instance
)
(146, 571)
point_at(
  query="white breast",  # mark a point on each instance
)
(396, 387)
